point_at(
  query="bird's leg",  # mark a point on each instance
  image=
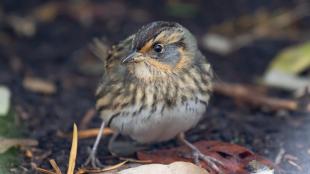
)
(197, 155)
(92, 159)
(111, 141)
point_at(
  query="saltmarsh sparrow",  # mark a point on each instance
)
(156, 85)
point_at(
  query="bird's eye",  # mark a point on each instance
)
(158, 48)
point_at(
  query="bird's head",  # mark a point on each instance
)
(159, 49)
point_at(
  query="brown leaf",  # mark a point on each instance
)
(236, 159)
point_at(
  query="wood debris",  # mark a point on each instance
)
(244, 94)
(39, 85)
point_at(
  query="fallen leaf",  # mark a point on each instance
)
(47, 12)
(173, 168)
(282, 80)
(284, 69)
(292, 60)
(39, 85)
(7, 143)
(217, 43)
(23, 26)
(5, 98)
(235, 158)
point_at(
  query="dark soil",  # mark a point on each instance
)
(58, 49)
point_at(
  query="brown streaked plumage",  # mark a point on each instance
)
(156, 83)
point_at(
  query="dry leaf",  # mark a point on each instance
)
(173, 168)
(7, 143)
(5, 96)
(39, 85)
(236, 159)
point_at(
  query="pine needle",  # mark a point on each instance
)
(44, 171)
(83, 171)
(73, 151)
(55, 166)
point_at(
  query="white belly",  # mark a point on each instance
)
(160, 125)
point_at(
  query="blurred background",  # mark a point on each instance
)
(47, 69)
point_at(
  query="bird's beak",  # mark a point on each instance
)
(133, 57)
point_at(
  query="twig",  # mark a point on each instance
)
(87, 118)
(135, 160)
(279, 156)
(295, 165)
(244, 94)
(89, 133)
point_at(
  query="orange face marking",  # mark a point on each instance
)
(182, 61)
(158, 65)
(147, 46)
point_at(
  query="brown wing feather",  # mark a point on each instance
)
(112, 84)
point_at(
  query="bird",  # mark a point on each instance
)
(156, 85)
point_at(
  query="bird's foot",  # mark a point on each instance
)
(92, 160)
(211, 161)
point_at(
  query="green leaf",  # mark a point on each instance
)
(293, 60)
(10, 158)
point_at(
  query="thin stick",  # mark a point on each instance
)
(244, 94)
(87, 118)
(88, 133)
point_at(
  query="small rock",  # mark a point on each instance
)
(5, 98)
(173, 168)
(39, 85)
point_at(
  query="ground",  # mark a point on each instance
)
(57, 51)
